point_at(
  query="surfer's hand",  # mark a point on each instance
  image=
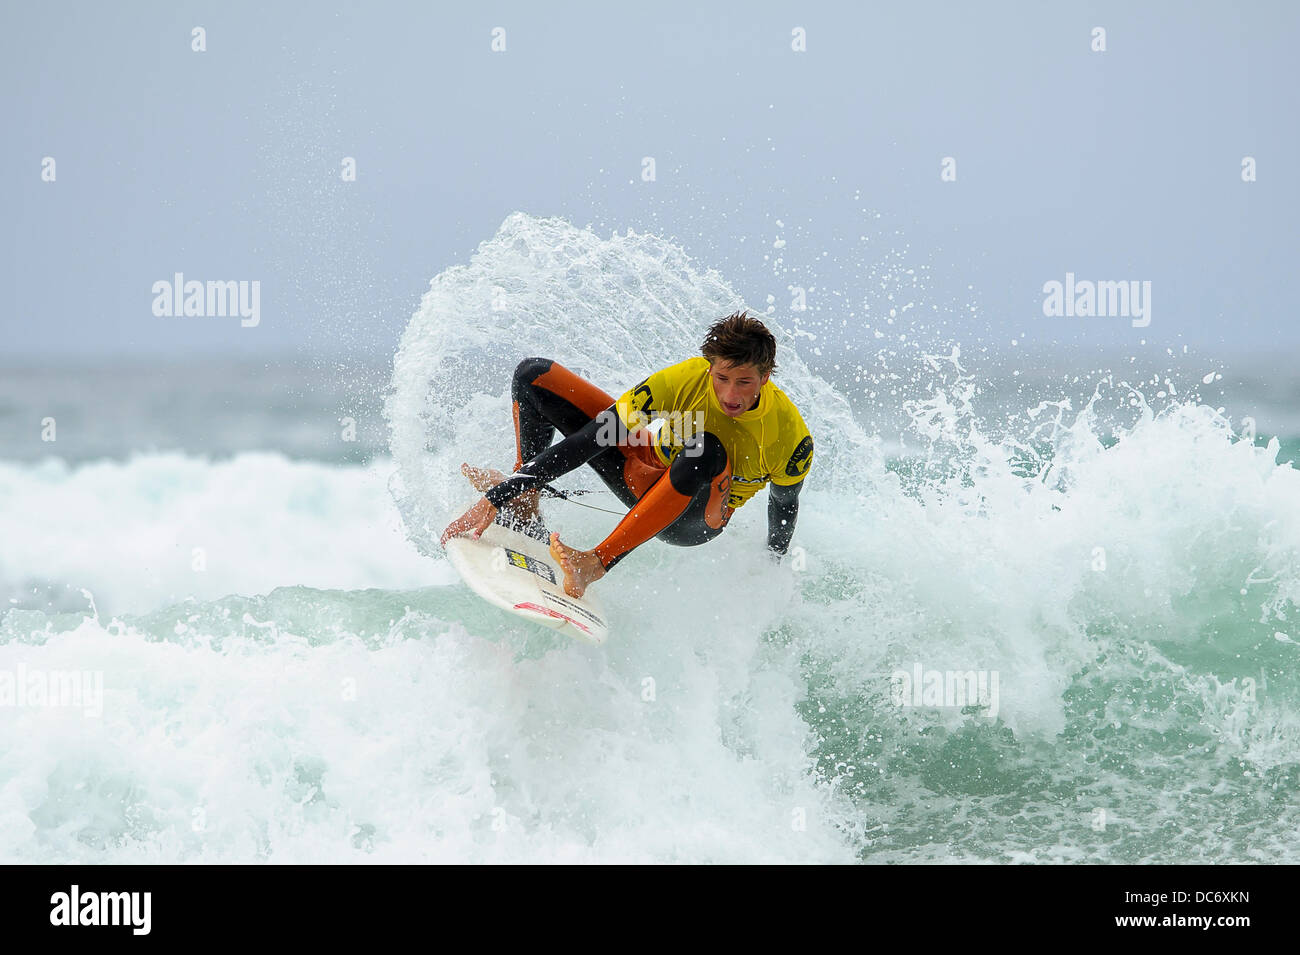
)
(472, 523)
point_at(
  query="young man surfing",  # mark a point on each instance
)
(682, 449)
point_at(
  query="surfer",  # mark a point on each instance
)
(682, 449)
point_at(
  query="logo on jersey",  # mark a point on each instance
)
(801, 459)
(641, 398)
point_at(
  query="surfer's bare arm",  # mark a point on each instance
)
(782, 510)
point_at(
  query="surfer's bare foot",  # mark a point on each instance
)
(581, 568)
(472, 523)
(483, 479)
(523, 508)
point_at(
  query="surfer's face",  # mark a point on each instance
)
(736, 386)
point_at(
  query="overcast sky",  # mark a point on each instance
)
(225, 164)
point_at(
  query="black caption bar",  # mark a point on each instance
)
(135, 905)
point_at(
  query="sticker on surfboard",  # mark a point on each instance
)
(516, 572)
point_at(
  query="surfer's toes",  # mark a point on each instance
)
(483, 479)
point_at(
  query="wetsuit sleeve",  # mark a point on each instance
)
(783, 495)
(782, 511)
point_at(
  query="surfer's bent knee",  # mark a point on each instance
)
(701, 459)
(528, 371)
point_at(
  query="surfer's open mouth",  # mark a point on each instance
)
(735, 407)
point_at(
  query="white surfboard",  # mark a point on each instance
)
(516, 572)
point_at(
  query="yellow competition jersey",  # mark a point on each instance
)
(767, 443)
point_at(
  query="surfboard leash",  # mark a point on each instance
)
(568, 496)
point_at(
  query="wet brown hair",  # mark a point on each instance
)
(741, 339)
